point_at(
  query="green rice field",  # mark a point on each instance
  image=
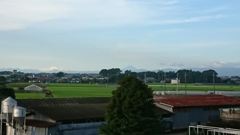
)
(195, 87)
(67, 90)
(80, 90)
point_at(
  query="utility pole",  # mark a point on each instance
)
(177, 83)
(145, 78)
(185, 76)
(214, 83)
(165, 82)
(107, 80)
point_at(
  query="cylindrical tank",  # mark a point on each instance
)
(8, 104)
(163, 93)
(7, 108)
(19, 114)
(158, 92)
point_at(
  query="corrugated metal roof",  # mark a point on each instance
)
(66, 109)
(38, 123)
(197, 100)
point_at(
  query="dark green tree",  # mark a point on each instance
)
(131, 110)
(6, 92)
(207, 75)
(60, 74)
(104, 72)
(2, 80)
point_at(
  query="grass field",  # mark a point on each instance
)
(67, 90)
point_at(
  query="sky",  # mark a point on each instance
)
(87, 35)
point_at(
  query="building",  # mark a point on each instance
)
(150, 79)
(33, 87)
(194, 109)
(60, 116)
(175, 81)
(44, 79)
(230, 114)
(74, 116)
(14, 72)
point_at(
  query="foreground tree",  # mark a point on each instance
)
(131, 110)
(6, 92)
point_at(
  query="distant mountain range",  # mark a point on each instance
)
(50, 71)
(225, 71)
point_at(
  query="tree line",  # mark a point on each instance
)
(184, 75)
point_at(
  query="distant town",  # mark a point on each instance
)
(114, 74)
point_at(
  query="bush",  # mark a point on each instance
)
(20, 88)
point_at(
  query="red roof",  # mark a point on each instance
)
(198, 100)
(38, 123)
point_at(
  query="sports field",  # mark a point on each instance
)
(68, 90)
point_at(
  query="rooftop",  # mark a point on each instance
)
(197, 100)
(67, 109)
(38, 123)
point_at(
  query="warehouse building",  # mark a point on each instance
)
(193, 110)
(55, 116)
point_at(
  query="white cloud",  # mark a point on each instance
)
(189, 19)
(172, 65)
(221, 64)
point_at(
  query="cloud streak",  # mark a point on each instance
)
(221, 64)
(189, 20)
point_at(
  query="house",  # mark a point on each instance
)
(60, 116)
(63, 80)
(193, 109)
(75, 80)
(44, 79)
(150, 79)
(175, 81)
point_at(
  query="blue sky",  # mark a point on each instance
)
(85, 35)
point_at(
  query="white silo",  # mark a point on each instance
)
(19, 114)
(163, 93)
(7, 108)
(158, 92)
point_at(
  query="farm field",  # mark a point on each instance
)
(194, 87)
(67, 90)
(80, 90)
